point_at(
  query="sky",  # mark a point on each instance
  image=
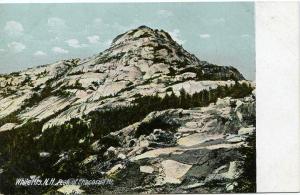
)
(36, 34)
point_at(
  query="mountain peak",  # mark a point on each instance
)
(144, 27)
(154, 51)
(144, 45)
(142, 32)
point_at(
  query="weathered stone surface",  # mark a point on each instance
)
(146, 169)
(119, 71)
(70, 189)
(7, 127)
(172, 172)
(89, 159)
(203, 146)
(205, 153)
(114, 169)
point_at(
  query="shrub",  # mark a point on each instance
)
(156, 123)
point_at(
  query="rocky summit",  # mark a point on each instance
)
(145, 115)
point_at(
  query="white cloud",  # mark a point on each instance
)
(165, 13)
(2, 50)
(13, 28)
(59, 50)
(39, 53)
(175, 34)
(16, 47)
(75, 43)
(93, 39)
(245, 35)
(204, 36)
(56, 24)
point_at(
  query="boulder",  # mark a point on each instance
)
(172, 172)
(115, 169)
(70, 189)
(146, 169)
(111, 152)
(44, 154)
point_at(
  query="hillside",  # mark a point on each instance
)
(144, 109)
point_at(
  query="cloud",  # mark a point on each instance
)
(13, 28)
(204, 36)
(39, 53)
(165, 13)
(93, 39)
(245, 36)
(75, 43)
(56, 24)
(175, 34)
(16, 47)
(59, 50)
(2, 50)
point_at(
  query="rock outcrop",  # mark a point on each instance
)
(145, 114)
(203, 150)
(141, 61)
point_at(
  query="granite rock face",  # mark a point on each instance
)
(204, 149)
(191, 149)
(140, 61)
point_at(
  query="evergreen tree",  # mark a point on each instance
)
(183, 102)
(174, 100)
(205, 97)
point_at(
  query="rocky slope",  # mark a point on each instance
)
(202, 150)
(68, 107)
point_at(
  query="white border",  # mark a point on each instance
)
(277, 66)
(277, 78)
(117, 1)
